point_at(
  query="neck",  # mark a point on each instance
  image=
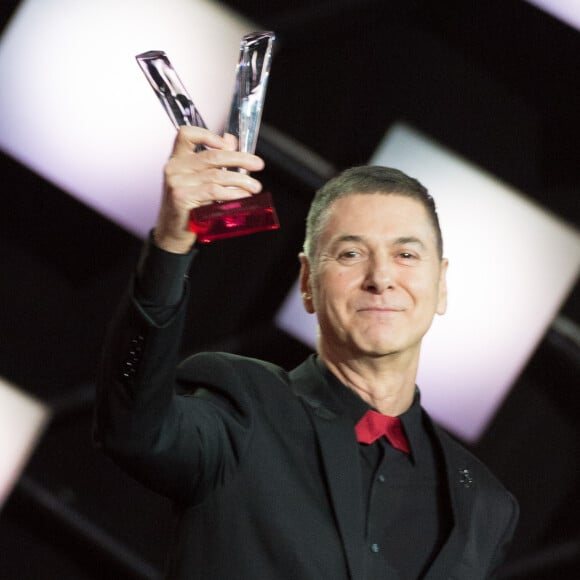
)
(385, 383)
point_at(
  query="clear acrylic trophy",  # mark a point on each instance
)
(246, 215)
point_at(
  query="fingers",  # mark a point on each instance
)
(193, 179)
(189, 188)
(219, 152)
(188, 138)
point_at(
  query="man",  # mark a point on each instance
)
(279, 475)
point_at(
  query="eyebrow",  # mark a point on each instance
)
(348, 238)
(404, 240)
(400, 241)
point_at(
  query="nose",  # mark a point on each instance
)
(379, 275)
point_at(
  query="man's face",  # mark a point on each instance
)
(378, 279)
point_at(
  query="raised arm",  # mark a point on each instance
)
(169, 442)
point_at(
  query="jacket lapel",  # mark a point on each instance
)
(340, 454)
(454, 559)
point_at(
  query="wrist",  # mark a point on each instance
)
(181, 245)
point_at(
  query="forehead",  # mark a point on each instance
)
(377, 214)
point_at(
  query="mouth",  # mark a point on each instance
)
(381, 309)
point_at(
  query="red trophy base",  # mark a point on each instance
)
(229, 219)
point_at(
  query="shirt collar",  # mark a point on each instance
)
(355, 407)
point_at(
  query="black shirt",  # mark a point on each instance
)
(407, 509)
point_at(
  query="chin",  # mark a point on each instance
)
(379, 350)
(387, 348)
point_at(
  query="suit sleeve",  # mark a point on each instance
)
(180, 446)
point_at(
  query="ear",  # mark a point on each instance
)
(305, 284)
(442, 297)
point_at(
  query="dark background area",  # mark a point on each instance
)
(496, 81)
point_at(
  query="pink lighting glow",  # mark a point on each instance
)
(22, 420)
(566, 10)
(75, 108)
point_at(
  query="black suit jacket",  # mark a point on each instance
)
(261, 467)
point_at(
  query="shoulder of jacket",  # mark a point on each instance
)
(227, 361)
(231, 371)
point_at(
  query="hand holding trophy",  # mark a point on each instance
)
(245, 215)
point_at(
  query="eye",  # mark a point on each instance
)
(349, 255)
(407, 257)
(352, 255)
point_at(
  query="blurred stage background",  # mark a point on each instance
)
(495, 82)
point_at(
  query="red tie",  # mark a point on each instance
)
(374, 425)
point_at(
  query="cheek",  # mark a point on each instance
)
(427, 295)
(334, 288)
(328, 298)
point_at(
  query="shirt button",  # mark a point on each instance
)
(381, 479)
(375, 548)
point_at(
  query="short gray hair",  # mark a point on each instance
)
(365, 179)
